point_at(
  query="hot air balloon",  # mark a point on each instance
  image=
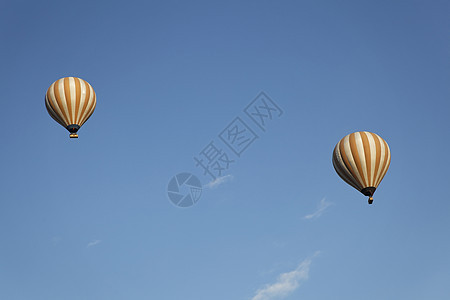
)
(362, 159)
(70, 101)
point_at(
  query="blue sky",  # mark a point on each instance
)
(90, 218)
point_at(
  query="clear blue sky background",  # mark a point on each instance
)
(90, 218)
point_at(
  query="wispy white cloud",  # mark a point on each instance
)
(286, 283)
(323, 205)
(218, 181)
(93, 243)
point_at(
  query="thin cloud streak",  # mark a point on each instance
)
(218, 181)
(323, 205)
(286, 283)
(93, 243)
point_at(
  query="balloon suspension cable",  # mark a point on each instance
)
(73, 128)
(370, 200)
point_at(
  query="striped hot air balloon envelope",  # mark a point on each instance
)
(70, 101)
(362, 159)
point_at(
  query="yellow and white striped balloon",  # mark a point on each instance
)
(362, 159)
(70, 101)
